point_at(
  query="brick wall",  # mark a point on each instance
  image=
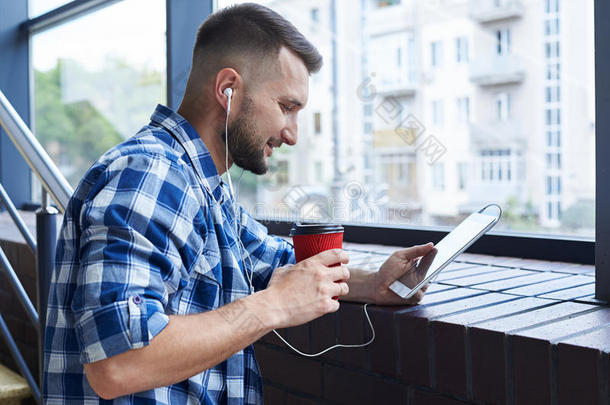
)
(429, 355)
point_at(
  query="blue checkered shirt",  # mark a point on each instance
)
(150, 232)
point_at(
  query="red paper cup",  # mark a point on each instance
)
(311, 239)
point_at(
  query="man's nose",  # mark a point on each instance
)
(290, 133)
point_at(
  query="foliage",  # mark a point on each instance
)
(80, 114)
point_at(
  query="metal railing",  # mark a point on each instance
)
(56, 186)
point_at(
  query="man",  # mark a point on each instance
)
(150, 299)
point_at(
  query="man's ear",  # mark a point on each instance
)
(227, 78)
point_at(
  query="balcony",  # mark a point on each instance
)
(390, 19)
(497, 135)
(397, 89)
(497, 70)
(487, 11)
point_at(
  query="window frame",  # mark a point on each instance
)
(182, 23)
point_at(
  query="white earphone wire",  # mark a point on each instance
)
(244, 253)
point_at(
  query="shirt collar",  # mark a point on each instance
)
(194, 146)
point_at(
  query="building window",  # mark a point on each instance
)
(551, 6)
(319, 170)
(553, 185)
(395, 168)
(553, 138)
(314, 14)
(553, 116)
(461, 50)
(551, 49)
(438, 112)
(462, 106)
(496, 165)
(368, 109)
(317, 123)
(553, 160)
(438, 176)
(503, 41)
(552, 94)
(436, 54)
(368, 128)
(462, 174)
(551, 26)
(503, 106)
(552, 71)
(282, 172)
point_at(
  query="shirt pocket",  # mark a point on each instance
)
(203, 292)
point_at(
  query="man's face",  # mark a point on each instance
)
(267, 118)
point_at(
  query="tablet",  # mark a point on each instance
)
(443, 253)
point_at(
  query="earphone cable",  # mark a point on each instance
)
(245, 254)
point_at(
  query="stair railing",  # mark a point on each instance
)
(56, 186)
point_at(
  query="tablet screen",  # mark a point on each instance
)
(446, 250)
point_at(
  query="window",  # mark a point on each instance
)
(317, 123)
(552, 49)
(462, 106)
(496, 166)
(319, 170)
(368, 110)
(553, 138)
(553, 116)
(551, 6)
(462, 172)
(438, 112)
(436, 54)
(503, 106)
(553, 161)
(500, 138)
(552, 71)
(503, 41)
(438, 176)
(551, 27)
(461, 50)
(395, 168)
(101, 85)
(314, 16)
(39, 7)
(552, 94)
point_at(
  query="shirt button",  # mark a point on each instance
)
(136, 299)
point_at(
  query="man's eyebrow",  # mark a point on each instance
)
(295, 102)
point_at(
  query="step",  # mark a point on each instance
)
(13, 387)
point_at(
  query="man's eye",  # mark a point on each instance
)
(285, 107)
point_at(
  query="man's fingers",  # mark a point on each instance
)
(415, 251)
(332, 256)
(337, 273)
(340, 289)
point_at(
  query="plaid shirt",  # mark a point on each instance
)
(150, 232)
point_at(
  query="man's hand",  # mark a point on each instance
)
(400, 265)
(305, 291)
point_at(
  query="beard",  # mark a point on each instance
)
(245, 147)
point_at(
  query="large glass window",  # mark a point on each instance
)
(517, 120)
(101, 85)
(39, 7)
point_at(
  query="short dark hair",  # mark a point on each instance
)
(253, 31)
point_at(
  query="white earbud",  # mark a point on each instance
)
(228, 92)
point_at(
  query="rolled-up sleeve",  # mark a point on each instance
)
(142, 232)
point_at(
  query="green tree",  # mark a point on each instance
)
(80, 114)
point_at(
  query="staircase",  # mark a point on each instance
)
(13, 387)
